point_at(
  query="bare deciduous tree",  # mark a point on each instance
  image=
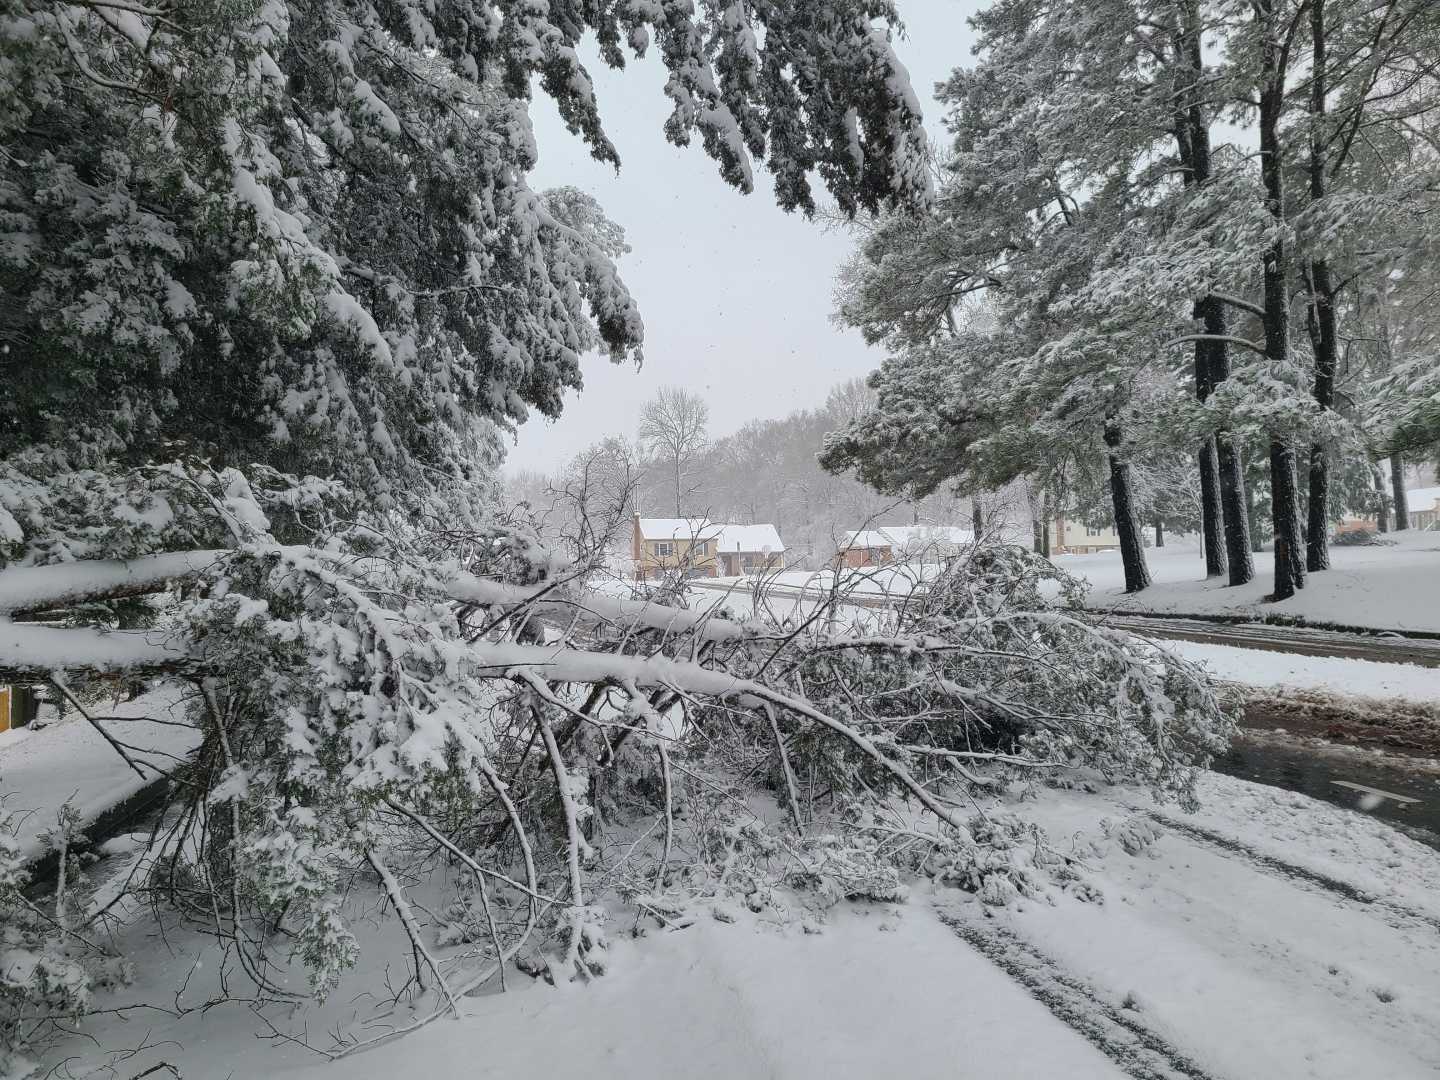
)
(673, 428)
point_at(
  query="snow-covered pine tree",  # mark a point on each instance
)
(273, 277)
(1024, 210)
(301, 233)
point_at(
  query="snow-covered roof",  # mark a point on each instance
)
(728, 537)
(1422, 498)
(750, 538)
(908, 536)
(678, 529)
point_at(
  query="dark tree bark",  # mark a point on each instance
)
(1235, 502)
(977, 517)
(1212, 515)
(1397, 490)
(1322, 308)
(1284, 495)
(1317, 528)
(1127, 522)
(1159, 533)
(1224, 508)
(1212, 519)
(1285, 512)
(1048, 519)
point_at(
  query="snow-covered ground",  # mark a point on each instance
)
(1395, 585)
(1389, 586)
(1276, 670)
(1267, 936)
(42, 769)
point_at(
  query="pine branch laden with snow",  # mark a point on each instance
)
(370, 700)
(272, 282)
(301, 233)
(1092, 260)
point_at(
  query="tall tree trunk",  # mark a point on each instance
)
(1227, 510)
(1159, 533)
(1235, 502)
(1284, 495)
(977, 517)
(1127, 523)
(1285, 512)
(1234, 505)
(1317, 529)
(1397, 489)
(1212, 518)
(1045, 518)
(1322, 308)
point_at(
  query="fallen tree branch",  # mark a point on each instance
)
(115, 744)
(573, 843)
(475, 590)
(30, 653)
(28, 589)
(412, 929)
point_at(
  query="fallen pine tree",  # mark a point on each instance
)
(388, 705)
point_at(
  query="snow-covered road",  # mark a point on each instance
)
(1266, 936)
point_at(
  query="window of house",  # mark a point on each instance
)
(1091, 532)
(664, 549)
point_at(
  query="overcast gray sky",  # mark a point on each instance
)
(735, 293)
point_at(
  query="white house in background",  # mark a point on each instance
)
(1424, 507)
(1077, 538)
(748, 549)
(875, 547)
(699, 547)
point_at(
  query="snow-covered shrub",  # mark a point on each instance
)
(1364, 537)
(49, 965)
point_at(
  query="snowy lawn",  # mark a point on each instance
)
(71, 761)
(1270, 935)
(1393, 586)
(1275, 670)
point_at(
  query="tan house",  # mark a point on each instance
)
(1077, 538)
(1424, 507)
(698, 547)
(667, 545)
(876, 547)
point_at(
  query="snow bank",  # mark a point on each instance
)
(1363, 678)
(876, 994)
(1390, 586)
(1229, 956)
(71, 761)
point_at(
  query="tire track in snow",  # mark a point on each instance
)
(1399, 915)
(1114, 1031)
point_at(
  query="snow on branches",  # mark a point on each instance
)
(301, 233)
(393, 707)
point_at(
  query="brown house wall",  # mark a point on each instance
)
(855, 558)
